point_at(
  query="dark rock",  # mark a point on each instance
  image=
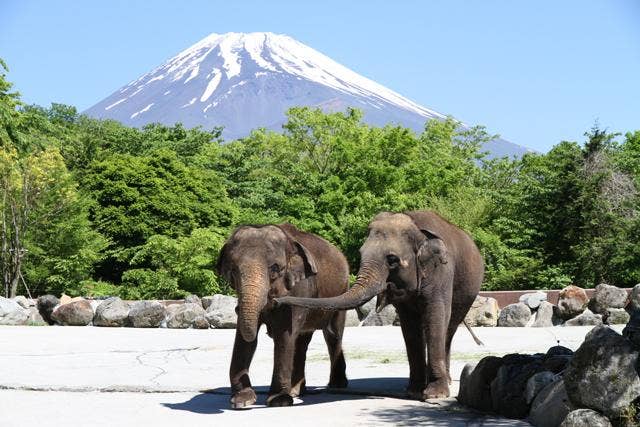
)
(517, 314)
(587, 318)
(46, 304)
(602, 374)
(76, 313)
(585, 418)
(632, 330)
(111, 312)
(483, 312)
(221, 312)
(558, 350)
(508, 387)
(536, 383)
(607, 296)
(475, 383)
(551, 405)
(146, 314)
(634, 299)
(572, 301)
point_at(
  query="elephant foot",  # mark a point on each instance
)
(280, 399)
(299, 389)
(243, 398)
(437, 390)
(338, 382)
(415, 391)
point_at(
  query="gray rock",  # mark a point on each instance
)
(352, 318)
(517, 314)
(201, 322)
(572, 301)
(206, 301)
(385, 318)
(634, 298)
(545, 316)
(587, 318)
(617, 316)
(508, 387)
(46, 304)
(607, 296)
(366, 308)
(475, 383)
(221, 313)
(632, 330)
(183, 316)
(35, 319)
(111, 312)
(602, 374)
(193, 299)
(24, 302)
(585, 418)
(483, 312)
(533, 299)
(146, 314)
(536, 383)
(551, 405)
(12, 313)
(76, 313)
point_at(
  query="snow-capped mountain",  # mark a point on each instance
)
(243, 81)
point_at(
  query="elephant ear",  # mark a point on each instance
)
(311, 269)
(432, 249)
(222, 268)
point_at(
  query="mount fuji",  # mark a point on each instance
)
(243, 81)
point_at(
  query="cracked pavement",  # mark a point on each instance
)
(125, 376)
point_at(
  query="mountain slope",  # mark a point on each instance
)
(244, 81)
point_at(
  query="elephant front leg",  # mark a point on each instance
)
(242, 394)
(411, 325)
(438, 378)
(284, 349)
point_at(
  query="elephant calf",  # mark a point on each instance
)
(270, 261)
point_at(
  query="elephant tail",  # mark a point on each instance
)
(475, 338)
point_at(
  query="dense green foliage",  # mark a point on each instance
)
(142, 213)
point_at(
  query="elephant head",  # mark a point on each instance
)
(395, 252)
(262, 263)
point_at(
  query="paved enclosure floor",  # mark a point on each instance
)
(76, 376)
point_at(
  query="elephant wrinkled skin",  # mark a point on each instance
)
(431, 271)
(265, 262)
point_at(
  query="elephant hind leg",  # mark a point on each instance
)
(458, 313)
(333, 337)
(299, 359)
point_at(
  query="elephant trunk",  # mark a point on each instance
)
(371, 280)
(252, 298)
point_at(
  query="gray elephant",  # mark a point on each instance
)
(431, 271)
(265, 262)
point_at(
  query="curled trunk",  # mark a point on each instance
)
(253, 291)
(371, 281)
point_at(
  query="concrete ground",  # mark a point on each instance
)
(91, 376)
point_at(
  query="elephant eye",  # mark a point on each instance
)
(393, 261)
(274, 271)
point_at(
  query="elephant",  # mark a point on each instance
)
(431, 271)
(267, 261)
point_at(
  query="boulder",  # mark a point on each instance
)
(533, 299)
(607, 296)
(366, 308)
(12, 313)
(35, 319)
(632, 330)
(201, 322)
(585, 417)
(206, 301)
(46, 304)
(146, 314)
(76, 313)
(545, 315)
(193, 299)
(517, 314)
(65, 299)
(386, 317)
(483, 312)
(572, 301)
(183, 316)
(352, 318)
(221, 313)
(616, 316)
(551, 405)
(587, 318)
(111, 312)
(475, 383)
(508, 387)
(536, 383)
(602, 373)
(634, 298)
(24, 302)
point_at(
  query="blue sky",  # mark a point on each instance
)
(535, 72)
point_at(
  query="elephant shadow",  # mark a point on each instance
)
(216, 401)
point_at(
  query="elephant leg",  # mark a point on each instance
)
(297, 378)
(438, 316)
(284, 342)
(242, 394)
(333, 337)
(458, 312)
(411, 325)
